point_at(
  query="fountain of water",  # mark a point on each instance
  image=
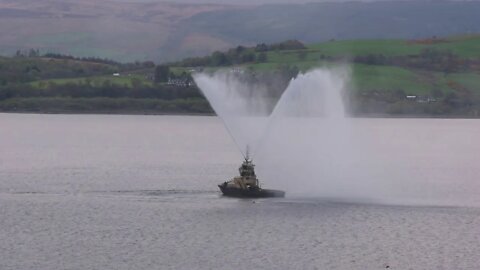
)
(304, 144)
(308, 147)
(243, 108)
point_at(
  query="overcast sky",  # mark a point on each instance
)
(254, 1)
(259, 2)
(283, 1)
(237, 2)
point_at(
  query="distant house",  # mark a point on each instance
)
(421, 99)
(426, 99)
(195, 69)
(183, 82)
(116, 74)
(237, 70)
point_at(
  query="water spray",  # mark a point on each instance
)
(284, 144)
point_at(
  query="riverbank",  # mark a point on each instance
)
(146, 112)
(61, 105)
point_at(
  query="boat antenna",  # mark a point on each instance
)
(247, 157)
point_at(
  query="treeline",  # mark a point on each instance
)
(35, 53)
(105, 105)
(24, 70)
(429, 58)
(286, 45)
(30, 65)
(397, 102)
(274, 81)
(108, 97)
(240, 55)
(106, 89)
(170, 89)
(86, 59)
(121, 66)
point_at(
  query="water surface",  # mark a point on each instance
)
(139, 192)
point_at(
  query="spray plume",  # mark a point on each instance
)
(308, 147)
(301, 140)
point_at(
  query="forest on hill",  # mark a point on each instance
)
(423, 77)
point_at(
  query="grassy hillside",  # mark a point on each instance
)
(26, 69)
(388, 77)
(443, 72)
(442, 75)
(66, 85)
(464, 46)
(123, 79)
(404, 71)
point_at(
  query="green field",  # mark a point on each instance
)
(464, 46)
(412, 81)
(123, 80)
(383, 73)
(364, 78)
(390, 78)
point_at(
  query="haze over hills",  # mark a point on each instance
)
(118, 30)
(130, 30)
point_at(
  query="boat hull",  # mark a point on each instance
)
(254, 193)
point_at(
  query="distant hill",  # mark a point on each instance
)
(350, 20)
(428, 77)
(108, 29)
(63, 84)
(141, 30)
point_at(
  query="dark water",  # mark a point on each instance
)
(138, 192)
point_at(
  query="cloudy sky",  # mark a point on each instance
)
(237, 2)
(277, 1)
(259, 2)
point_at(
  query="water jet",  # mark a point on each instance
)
(313, 96)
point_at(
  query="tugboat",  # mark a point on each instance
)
(247, 185)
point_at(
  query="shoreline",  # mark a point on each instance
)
(146, 113)
(151, 113)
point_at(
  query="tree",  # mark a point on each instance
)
(288, 45)
(148, 64)
(288, 72)
(261, 47)
(451, 99)
(302, 55)
(248, 57)
(240, 49)
(34, 53)
(136, 83)
(162, 73)
(262, 57)
(398, 95)
(219, 59)
(437, 93)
